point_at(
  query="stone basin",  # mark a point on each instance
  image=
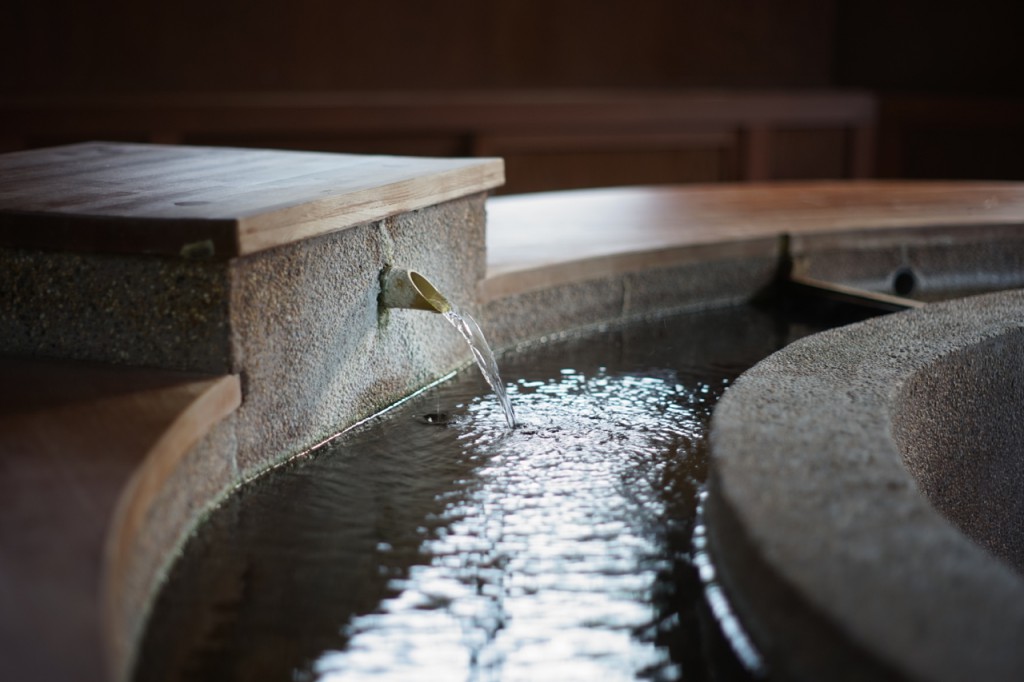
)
(178, 320)
(867, 492)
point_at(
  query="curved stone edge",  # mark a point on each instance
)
(813, 513)
(192, 464)
(959, 430)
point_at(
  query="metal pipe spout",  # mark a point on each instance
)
(401, 288)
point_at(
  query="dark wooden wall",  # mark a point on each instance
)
(950, 79)
(931, 46)
(948, 76)
(244, 45)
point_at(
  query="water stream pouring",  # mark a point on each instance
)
(409, 289)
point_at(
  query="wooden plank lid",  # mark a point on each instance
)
(209, 201)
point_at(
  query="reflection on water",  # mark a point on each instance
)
(544, 564)
(435, 544)
(714, 596)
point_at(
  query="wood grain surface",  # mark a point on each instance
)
(176, 200)
(534, 240)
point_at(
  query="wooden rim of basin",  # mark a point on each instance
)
(832, 514)
(212, 202)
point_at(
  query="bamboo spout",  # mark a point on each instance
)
(401, 288)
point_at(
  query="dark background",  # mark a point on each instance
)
(946, 76)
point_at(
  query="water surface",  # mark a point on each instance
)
(432, 543)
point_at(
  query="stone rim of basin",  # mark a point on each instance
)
(837, 562)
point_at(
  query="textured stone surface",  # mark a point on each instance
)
(825, 541)
(946, 261)
(689, 286)
(129, 310)
(300, 323)
(959, 427)
(315, 352)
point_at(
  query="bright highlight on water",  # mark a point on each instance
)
(546, 565)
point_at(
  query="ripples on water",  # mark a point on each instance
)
(434, 544)
(544, 564)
